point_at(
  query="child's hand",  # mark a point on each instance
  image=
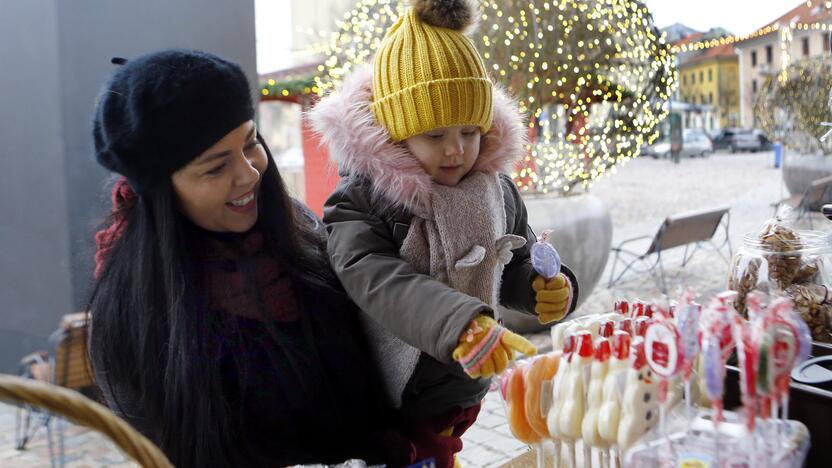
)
(486, 348)
(553, 297)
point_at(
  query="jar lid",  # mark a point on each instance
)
(807, 242)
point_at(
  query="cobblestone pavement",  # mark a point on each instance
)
(640, 195)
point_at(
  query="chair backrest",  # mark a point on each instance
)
(817, 191)
(71, 365)
(686, 228)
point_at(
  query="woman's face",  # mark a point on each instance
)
(218, 190)
(448, 153)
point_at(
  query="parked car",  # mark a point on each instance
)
(737, 139)
(722, 138)
(694, 143)
(746, 141)
(765, 143)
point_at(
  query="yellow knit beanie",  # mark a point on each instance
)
(427, 73)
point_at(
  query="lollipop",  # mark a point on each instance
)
(747, 357)
(714, 372)
(715, 330)
(545, 259)
(787, 349)
(513, 391)
(665, 355)
(687, 322)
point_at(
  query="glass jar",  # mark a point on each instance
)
(786, 261)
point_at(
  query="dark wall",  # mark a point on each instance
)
(34, 241)
(54, 58)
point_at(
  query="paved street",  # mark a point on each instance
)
(639, 197)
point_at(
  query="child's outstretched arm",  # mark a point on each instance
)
(420, 310)
(516, 290)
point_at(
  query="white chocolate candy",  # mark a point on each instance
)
(612, 390)
(594, 397)
(574, 388)
(557, 386)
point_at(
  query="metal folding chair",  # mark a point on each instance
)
(811, 198)
(696, 229)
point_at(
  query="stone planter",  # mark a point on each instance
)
(582, 235)
(800, 170)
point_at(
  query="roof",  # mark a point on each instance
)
(720, 52)
(806, 13)
(688, 39)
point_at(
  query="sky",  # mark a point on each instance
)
(274, 28)
(738, 16)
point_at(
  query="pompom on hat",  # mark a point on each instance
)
(161, 110)
(427, 73)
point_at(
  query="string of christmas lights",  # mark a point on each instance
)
(594, 77)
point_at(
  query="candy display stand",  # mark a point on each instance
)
(694, 443)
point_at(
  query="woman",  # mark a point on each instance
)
(218, 328)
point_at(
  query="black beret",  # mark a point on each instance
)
(160, 111)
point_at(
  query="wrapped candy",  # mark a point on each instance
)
(598, 372)
(613, 389)
(513, 391)
(545, 259)
(622, 307)
(539, 375)
(714, 372)
(664, 352)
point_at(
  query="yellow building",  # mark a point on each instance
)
(711, 80)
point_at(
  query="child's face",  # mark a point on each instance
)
(448, 153)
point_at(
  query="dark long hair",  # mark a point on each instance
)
(148, 342)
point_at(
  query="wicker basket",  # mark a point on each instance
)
(85, 412)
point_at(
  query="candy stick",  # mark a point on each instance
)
(545, 259)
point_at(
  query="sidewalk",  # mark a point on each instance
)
(639, 197)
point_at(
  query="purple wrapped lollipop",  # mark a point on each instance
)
(545, 259)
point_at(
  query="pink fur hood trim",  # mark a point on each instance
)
(360, 146)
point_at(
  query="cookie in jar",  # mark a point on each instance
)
(781, 260)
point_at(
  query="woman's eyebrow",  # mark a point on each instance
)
(222, 154)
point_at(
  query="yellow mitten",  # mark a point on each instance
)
(486, 347)
(553, 298)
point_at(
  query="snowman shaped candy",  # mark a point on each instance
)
(639, 405)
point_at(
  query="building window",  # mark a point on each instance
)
(702, 99)
(754, 58)
(769, 54)
(693, 78)
(710, 98)
(805, 46)
(826, 42)
(701, 76)
(753, 86)
(684, 79)
(710, 75)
